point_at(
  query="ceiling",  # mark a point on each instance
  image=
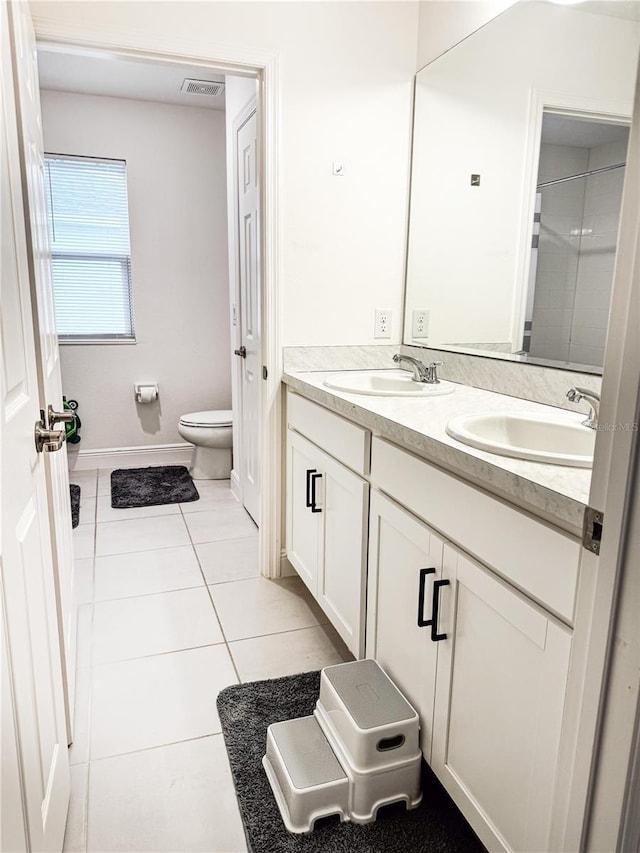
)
(580, 133)
(124, 77)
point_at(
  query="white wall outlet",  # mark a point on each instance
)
(382, 327)
(420, 324)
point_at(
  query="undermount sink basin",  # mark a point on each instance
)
(387, 383)
(556, 440)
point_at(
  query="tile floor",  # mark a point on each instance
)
(171, 610)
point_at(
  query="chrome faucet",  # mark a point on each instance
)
(421, 373)
(576, 395)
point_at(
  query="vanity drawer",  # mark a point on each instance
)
(345, 441)
(535, 557)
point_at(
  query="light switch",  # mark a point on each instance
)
(338, 168)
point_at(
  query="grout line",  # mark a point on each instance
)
(144, 594)
(157, 746)
(157, 654)
(189, 544)
(276, 633)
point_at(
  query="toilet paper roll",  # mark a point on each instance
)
(147, 393)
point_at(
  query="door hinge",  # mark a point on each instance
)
(592, 529)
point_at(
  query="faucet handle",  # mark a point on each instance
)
(433, 371)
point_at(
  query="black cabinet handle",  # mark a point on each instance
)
(310, 471)
(437, 586)
(422, 622)
(314, 478)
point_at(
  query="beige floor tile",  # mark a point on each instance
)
(158, 700)
(75, 837)
(87, 510)
(214, 525)
(141, 534)
(79, 750)
(104, 481)
(83, 636)
(83, 538)
(153, 624)
(175, 798)
(214, 494)
(83, 576)
(106, 512)
(252, 608)
(146, 572)
(87, 480)
(229, 559)
(288, 653)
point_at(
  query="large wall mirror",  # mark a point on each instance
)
(520, 142)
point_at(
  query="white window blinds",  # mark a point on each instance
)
(90, 250)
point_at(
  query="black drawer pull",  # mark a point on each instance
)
(422, 622)
(437, 586)
(314, 478)
(310, 471)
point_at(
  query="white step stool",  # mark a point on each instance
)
(305, 775)
(357, 753)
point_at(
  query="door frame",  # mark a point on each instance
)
(265, 65)
(233, 209)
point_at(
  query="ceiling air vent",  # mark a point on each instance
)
(202, 87)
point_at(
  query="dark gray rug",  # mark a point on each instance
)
(163, 484)
(75, 504)
(246, 710)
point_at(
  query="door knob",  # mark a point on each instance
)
(242, 352)
(58, 417)
(47, 440)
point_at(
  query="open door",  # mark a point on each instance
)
(245, 133)
(46, 340)
(35, 744)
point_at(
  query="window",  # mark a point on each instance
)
(90, 250)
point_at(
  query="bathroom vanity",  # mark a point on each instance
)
(457, 570)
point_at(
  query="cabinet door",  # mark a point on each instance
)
(303, 525)
(401, 548)
(343, 498)
(499, 701)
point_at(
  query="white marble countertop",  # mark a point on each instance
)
(556, 493)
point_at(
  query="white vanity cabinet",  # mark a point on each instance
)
(484, 664)
(405, 557)
(327, 514)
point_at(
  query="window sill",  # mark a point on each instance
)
(83, 342)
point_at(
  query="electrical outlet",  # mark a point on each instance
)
(420, 324)
(382, 327)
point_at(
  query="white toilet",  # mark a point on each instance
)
(211, 435)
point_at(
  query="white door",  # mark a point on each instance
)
(405, 558)
(35, 685)
(246, 137)
(343, 500)
(501, 683)
(46, 341)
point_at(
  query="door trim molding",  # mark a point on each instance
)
(232, 59)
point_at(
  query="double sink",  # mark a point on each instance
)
(560, 438)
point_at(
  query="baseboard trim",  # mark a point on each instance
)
(130, 457)
(286, 569)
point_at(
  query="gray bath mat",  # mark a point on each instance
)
(75, 504)
(164, 484)
(246, 710)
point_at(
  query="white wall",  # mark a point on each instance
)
(468, 244)
(444, 23)
(176, 179)
(347, 74)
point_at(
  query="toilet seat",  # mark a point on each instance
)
(211, 420)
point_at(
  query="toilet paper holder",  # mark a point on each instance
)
(146, 392)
